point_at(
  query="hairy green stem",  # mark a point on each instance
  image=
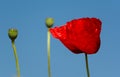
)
(16, 59)
(87, 65)
(48, 51)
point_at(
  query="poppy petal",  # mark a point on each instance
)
(80, 35)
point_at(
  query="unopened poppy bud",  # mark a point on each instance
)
(12, 33)
(49, 22)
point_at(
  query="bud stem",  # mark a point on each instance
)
(87, 65)
(16, 59)
(48, 51)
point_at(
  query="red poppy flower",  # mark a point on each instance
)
(80, 35)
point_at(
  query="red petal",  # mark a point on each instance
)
(80, 35)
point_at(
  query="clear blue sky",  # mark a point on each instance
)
(28, 16)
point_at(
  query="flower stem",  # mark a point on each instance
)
(48, 51)
(16, 59)
(87, 65)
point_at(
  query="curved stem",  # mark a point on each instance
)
(87, 65)
(48, 51)
(16, 59)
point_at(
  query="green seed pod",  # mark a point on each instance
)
(12, 33)
(49, 22)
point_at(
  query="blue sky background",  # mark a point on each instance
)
(28, 16)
